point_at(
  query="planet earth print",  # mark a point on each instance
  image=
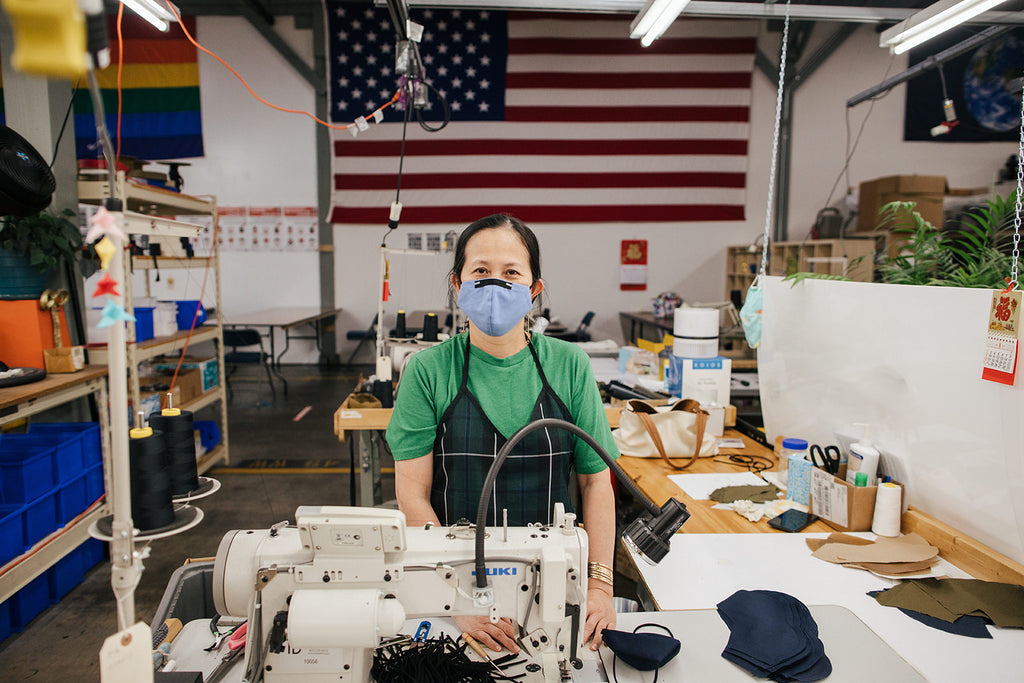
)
(992, 86)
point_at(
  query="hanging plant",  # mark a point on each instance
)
(977, 253)
(45, 239)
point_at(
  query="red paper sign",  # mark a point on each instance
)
(633, 265)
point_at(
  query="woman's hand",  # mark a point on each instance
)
(494, 636)
(600, 612)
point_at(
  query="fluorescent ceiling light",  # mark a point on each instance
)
(932, 21)
(152, 11)
(654, 19)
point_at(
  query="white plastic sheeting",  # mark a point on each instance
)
(906, 360)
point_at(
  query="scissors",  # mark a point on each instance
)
(829, 457)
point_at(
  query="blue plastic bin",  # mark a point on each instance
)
(88, 432)
(186, 313)
(71, 499)
(5, 620)
(40, 518)
(64, 575)
(143, 323)
(92, 552)
(94, 484)
(27, 603)
(67, 454)
(12, 533)
(209, 433)
(26, 472)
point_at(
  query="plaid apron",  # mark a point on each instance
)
(535, 474)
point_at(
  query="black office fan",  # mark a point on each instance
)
(26, 181)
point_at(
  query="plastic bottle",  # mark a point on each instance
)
(790, 447)
(863, 458)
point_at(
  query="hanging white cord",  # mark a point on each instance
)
(775, 153)
(1013, 282)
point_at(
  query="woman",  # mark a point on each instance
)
(459, 401)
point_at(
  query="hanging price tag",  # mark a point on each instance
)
(1001, 340)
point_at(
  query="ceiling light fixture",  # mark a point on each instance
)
(152, 11)
(932, 21)
(654, 19)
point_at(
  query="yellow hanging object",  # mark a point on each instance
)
(105, 249)
(49, 37)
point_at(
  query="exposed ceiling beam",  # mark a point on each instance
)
(717, 8)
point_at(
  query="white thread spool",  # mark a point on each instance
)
(888, 508)
(695, 332)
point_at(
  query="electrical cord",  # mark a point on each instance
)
(64, 123)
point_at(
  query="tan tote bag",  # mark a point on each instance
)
(646, 431)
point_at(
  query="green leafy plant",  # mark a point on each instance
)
(977, 253)
(47, 238)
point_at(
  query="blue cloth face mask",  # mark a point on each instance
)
(495, 306)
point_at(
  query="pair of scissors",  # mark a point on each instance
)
(829, 457)
(236, 647)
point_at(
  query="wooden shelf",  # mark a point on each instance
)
(210, 458)
(144, 199)
(851, 257)
(159, 345)
(146, 262)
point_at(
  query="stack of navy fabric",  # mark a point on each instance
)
(774, 636)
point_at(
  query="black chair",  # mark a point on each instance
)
(245, 346)
(582, 332)
(367, 335)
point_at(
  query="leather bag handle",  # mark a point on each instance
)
(686, 405)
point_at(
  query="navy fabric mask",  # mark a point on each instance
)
(642, 651)
(495, 306)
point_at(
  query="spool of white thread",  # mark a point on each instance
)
(695, 332)
(888, 508)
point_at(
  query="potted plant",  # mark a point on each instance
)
(31, 247)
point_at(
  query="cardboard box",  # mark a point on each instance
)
(926, 190)
(695, 377)
(209, 371)
(841, 505)
(189, 383)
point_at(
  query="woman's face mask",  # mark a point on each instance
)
(495, 306)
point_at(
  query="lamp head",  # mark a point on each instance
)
(650, 537)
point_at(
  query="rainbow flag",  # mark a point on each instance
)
(160, 117)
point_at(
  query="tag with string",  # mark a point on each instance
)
(1001, 339)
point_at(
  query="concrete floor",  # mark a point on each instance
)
(63, 643)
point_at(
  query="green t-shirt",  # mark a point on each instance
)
(507, 389)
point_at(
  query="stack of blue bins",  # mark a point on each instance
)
(48, 477)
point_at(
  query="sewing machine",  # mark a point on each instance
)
(321, 595)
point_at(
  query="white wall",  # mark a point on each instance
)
(257, 156)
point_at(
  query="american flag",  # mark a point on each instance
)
(555, 118)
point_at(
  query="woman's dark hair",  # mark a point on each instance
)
(498, 220)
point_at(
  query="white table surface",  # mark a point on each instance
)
(701, 570)
(857, 654)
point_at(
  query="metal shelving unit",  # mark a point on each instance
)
(20, 402)
(149, 211)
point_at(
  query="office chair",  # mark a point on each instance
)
(235, 341)
(367, 335)
(582, 332)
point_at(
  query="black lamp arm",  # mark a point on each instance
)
(499, 460)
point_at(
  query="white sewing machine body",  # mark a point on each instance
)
(344, 578)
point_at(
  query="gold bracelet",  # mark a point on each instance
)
(600, 572)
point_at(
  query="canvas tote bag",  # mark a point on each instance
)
(673, 432)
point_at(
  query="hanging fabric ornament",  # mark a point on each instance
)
(103, 224)
(753, 306)
(105, 249)
(113, 312)
(106, 285)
